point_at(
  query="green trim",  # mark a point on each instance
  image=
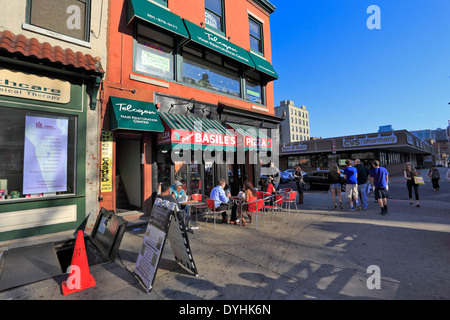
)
(154, 14)
(216, 43)
(263, 65)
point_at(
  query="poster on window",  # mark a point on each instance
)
(45, 155)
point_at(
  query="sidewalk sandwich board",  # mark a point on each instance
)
(165, 222)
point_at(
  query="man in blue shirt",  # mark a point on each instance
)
(351, 191)
(220, 199)
(379, 177)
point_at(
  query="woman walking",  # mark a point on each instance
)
(334, 176)
(409, 173)
(298, 175)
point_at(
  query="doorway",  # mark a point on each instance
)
(128, 174)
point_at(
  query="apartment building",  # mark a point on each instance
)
(296, 125)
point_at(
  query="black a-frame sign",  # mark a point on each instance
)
(165, 222)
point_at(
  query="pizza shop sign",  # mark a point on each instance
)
(369, 141)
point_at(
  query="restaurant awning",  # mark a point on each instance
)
(250, 138)
(134, 115)
(263, 65)
(154, 14)
(189, 132)
(214, 42)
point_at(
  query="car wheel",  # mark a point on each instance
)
(306, 185)
(344, 187)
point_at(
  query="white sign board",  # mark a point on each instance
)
(45, 155)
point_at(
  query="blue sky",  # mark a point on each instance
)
(353, 79)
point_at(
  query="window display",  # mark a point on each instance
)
(37, 153)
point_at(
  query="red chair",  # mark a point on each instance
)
(212, 209)
(198, 207)
(258, 208)
(289, 198)
(285, 190)
(260, 195)
(276, 205)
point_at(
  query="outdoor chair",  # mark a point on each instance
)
(255, 207)
(285, 190)
(277, 205)
(213, 211)
(288, 199)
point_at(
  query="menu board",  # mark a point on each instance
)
(165, 221)
(45, 155)
(179, 243)
(149, 255)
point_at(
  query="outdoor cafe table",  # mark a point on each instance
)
(189, 204)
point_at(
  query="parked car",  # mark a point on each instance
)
(291, 173)
(285, 177)
(319, 179)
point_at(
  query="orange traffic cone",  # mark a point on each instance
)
(79, 278)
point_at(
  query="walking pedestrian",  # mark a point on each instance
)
(435, 176)
(298, 175)
(363, 174)
(409, 173)
(379, 177)
(351, 177)
(334, 177)
(447, 176)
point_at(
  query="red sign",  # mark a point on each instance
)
(253, 142)
(175, 136)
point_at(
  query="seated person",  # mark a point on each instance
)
(270, 187)
(250, 195)
(177, 190)
(221, 201)
(165, 192)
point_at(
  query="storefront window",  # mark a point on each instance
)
(198, 72)
(154, 53)
(303, 161)
(37, 154)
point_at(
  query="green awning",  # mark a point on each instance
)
(190, 132)
(263, 65)
(154, 14)
(214, 42)
(250, 138)
(134, 115)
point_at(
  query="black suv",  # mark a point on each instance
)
(319, 179)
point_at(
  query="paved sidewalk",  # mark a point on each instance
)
(316, 252)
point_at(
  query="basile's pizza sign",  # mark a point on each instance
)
(198, 138)
(206, 138)
(253, 142)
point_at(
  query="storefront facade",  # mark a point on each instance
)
(44, 112)
(195, 77)
(392, 149)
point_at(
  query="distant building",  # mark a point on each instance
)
(438, 139)
(296, 126)
(386, 128)
(392, 149)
